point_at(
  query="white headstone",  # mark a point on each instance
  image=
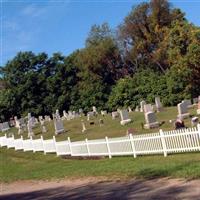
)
(159, 106)
(142, 103)
(137, 109)
(124, 117)
(83, 126)
(150, 119)
(148, 108)
(129, 109)
(115, 115)
(103, 112)
(183, 110)
(58, 124)
(29, 126)
(94, 109)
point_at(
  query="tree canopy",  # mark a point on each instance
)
(155, 51)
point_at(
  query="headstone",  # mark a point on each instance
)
(101, 122)
(195, 101)
(29, 127)
(124, 117)
(159, 106)
(194, 121)
(142, 103)
(129, 109)
(20, 129)
(103, 112)
(80, 110)
(83, 126)
(137, 109)
(183, 110)
(58, 124)
(148, 108)
(115, 115)
(47, 118)
(94, 109)
(65, 114)
(188, 103)
(57, 114)
(198, 108)
(42, 122)
(150, 119)
(4, 126)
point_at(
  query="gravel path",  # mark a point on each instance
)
(155, 189)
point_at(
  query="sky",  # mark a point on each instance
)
(63, 25)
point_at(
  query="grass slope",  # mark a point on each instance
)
(28, 165)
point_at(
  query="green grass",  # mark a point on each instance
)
(18, 165)
(111, 128)
(29, 166)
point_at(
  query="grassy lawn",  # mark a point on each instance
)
(27, 165)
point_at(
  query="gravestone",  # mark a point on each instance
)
(58, 124)
(195, 101)
(198, 108)
(142, 103)
(47, 118)
(42, 122)
(137, 109)
(115, 115)
(148, 108)
(159, 106)
(57, 115)
(101, 122)
(182, 110)
(5, 126)
(124, 117)
(150, 119)
(103, 112)
(194, 121)
(65, 114)
(129, 109)
(29, 127)
(188, 103)
(94, 109)
(83, 126)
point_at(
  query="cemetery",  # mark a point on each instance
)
(122, 106)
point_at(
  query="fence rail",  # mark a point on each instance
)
(163, 142)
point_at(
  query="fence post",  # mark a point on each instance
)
(163, 142)
(31, 139)
(198, 129)
(43, 144)
(41, 137)
(54, 140)
(108, 147)
(87, 145)
(132, 145)
(70, 147)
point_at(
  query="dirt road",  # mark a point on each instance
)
(156, 189)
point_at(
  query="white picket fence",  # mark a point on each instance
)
(163, 142)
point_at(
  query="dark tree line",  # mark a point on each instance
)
(155, 51)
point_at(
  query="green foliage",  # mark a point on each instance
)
(156, 53)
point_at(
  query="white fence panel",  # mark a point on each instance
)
(11, 142)
(148, 144)
(120, 147)
(98, 148)
(19, 144)
(27, 145)
(79, 149)
(182, 141)
(3, 141)
(63, 148)
(49, 146)
(38, 145)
